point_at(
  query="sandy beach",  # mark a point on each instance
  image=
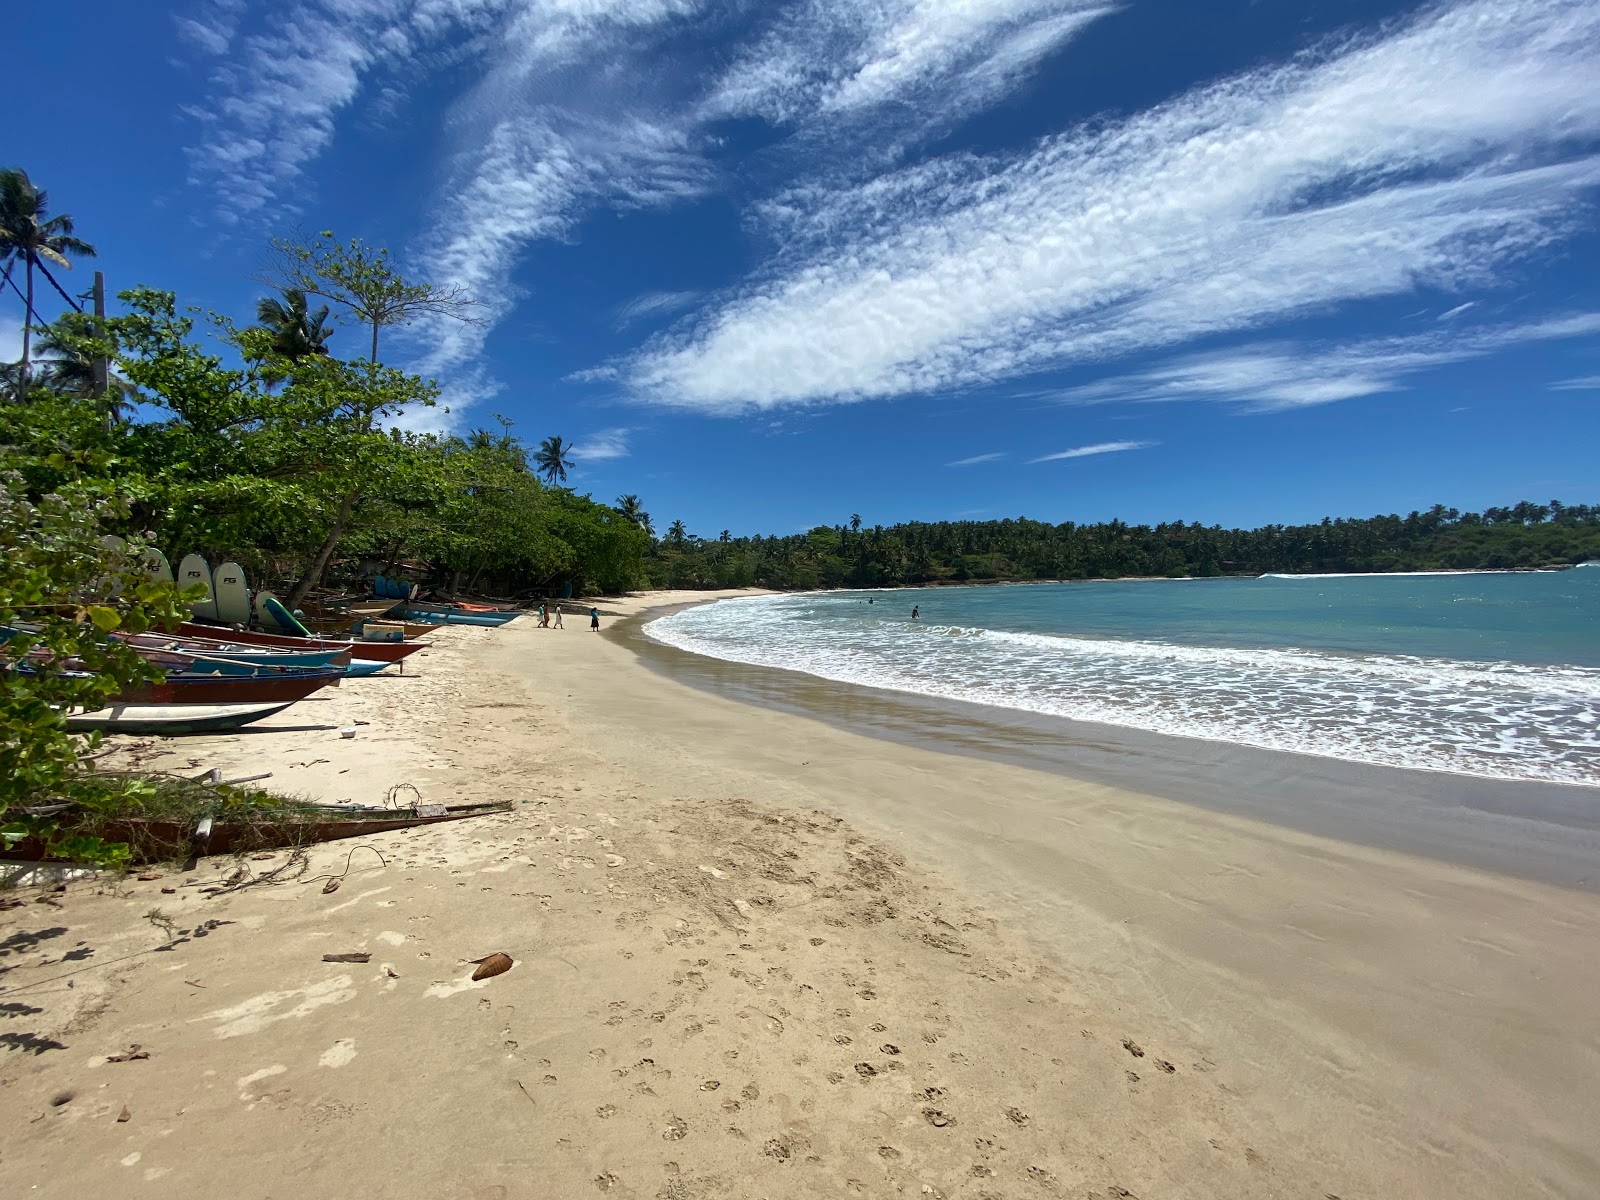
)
(761, 954)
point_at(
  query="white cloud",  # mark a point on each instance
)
(976, 459)
(837, 57)
(655, 304)
(1458, 310)
(1434, 155)
(1090, 451)
(1583, 383)
(602, 446)
(1274, 377)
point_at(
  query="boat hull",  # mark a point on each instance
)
(381, 651)
(457, 617)
(171, 720)
(286, 686)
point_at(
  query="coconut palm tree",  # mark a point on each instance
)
(677, 532)
(29, 233)
(551, 460)
(297, 332)
(630, 508)
(64, 367)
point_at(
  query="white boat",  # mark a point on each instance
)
(170, 720)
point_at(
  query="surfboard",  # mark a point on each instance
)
(283, 618)
(192, 570)
(233, 595)
(156, 565)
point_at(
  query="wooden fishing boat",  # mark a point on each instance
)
(381, 651)
(216, 657)
(283, 686)
(456, 616)
(171, 720)
(160, 840)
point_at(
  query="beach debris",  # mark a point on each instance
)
(61, 1098)
(353, 957)
(331, 886)
(1133, 1047)
(938, 1118)
(262, 857)
(149, 876)
(349, 731)
(124, 1115)
(169, 891)
(391, 972)
(131, 1054)
(193, 983)
(492, 965)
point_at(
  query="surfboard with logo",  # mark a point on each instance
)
(232, 593)
(193, 569)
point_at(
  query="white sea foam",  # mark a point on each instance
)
(1499, 720)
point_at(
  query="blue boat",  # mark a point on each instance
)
(458, 616)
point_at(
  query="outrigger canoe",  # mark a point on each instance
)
(171, 720)
(456, 616)
(379, 651)
(281, 686)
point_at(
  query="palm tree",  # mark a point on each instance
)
(630, 508)
(297, 332)
(66, 368)
(677, 532)
(28, 232)
(550, 460)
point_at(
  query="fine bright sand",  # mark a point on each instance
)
(757, 955)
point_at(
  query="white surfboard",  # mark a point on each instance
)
(233, 595)
(155, 565)
(192, 570)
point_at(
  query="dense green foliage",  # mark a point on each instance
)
(62, 591)
(1527, 535)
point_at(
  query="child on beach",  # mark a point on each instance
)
(594, 620)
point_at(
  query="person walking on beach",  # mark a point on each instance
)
(594, 620)
(544, 616)
(558, 617)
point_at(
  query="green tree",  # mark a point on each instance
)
(551, 460)
(29, 233)
(363, 281)
(63, 591)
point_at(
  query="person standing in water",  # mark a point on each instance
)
(594, 620)
(914, 611)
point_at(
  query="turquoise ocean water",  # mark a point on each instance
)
(1494, 675)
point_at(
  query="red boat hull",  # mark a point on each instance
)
(372, 651)
(229, 689)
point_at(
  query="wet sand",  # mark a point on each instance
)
(1546, 832)
(759, 954)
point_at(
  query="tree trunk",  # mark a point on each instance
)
(329, 544)
(374, 340)
(27, 333)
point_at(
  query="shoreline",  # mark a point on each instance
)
(1542, 831)
(758, 954)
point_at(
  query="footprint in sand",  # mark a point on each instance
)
(1133, 1047)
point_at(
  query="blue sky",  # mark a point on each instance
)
(772, 263)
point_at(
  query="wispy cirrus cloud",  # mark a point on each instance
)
(1091, 451)
(841, 57)
(1276, 376)
(655, 304)
(995, 456)
(1583, 383)
(1437, 152)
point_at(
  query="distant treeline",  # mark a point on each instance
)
(853, 555)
